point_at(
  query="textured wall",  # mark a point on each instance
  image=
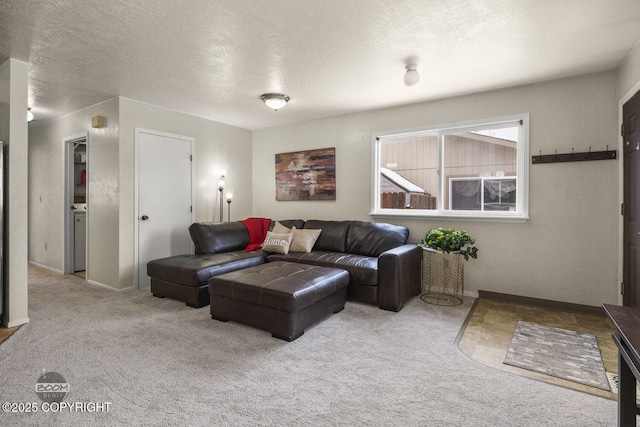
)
(111, 181)
(46, 196)
(567, 251)
(629, 73)
(217, 147)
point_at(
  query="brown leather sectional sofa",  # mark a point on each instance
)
(383, 268)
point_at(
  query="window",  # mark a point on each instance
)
(471, 170)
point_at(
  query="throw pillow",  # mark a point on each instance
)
(277, 243)
(280, 229)
(303, 240)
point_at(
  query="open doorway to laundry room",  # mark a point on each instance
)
(75, 204)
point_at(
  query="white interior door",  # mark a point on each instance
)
(164, 198)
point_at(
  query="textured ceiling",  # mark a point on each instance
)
(214, 58)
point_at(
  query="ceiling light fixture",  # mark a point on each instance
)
(411, 77)
(29, 114)
(275, 100)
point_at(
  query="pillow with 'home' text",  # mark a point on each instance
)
(277, 243)
(303, 239)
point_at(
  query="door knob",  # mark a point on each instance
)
(144, 217)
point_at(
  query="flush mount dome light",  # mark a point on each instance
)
(411, 77)
(275, 100)
(29, 114)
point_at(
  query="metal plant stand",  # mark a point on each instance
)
(442, 278)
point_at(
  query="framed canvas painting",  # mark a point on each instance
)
(306, 175)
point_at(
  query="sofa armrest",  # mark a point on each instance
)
(399, 271)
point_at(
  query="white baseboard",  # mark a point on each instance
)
(45, 267)
(14, 322)
(109, 288)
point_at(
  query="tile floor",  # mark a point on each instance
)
(491, 324)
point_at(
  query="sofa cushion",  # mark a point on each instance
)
(362, 269)
(280, 229)
(196, 270)
(210, 238)
(302, 241)
(278, 243)
(333, 237)
(372, 239)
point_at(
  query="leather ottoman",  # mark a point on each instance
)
(283, 298)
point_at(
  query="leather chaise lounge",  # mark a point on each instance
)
(383, 269)
(219, 249)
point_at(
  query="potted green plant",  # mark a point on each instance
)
(450, 240)
(442, 266)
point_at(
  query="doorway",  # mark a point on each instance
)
(631, 222)
(76, 185)
(164, 198)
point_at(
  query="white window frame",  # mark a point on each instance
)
(522, 190)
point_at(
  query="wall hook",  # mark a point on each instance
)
(575, 157)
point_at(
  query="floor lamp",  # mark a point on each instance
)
(229, 198)
(221, 189)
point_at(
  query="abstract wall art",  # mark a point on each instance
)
(306, 175)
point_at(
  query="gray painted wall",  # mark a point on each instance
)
(111, 158)
(567, 251)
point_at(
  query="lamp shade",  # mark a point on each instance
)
(275, 100)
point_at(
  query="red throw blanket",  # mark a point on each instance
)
(258, 228)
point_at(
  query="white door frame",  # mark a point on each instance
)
(138, 131)
(67, 213)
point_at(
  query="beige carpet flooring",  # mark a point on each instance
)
(161, 363)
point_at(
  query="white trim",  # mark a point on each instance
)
(67, 213)
(109, 288)
(46, 267)
(138, 131)
(416, 214)
(468, 125)
(15, 323)
(522, 194)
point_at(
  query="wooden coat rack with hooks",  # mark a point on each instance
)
(574, 157)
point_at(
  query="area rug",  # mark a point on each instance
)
(561, 353)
